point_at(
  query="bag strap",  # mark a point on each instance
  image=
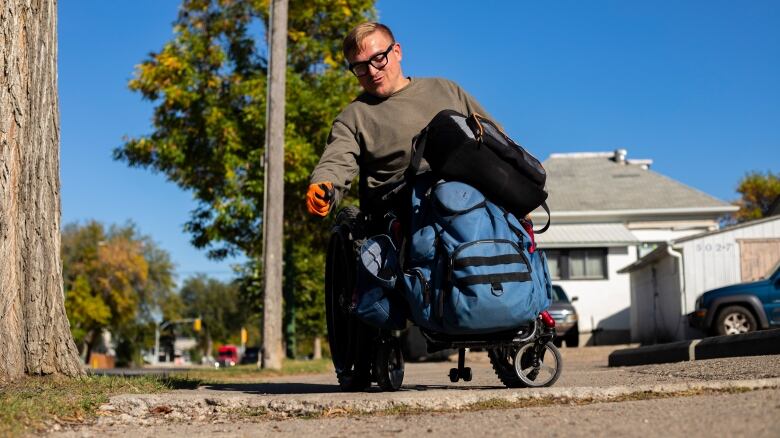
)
(547, 225)
(479, 119)
(418, 149)
(479, 131)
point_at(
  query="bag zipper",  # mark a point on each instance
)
(477, 242)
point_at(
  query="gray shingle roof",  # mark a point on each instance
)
(595, 181)
(584, 235)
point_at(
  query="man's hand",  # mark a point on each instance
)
(319, 198)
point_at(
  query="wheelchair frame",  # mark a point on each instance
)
(363, 354)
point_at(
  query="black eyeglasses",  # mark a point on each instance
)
(378, 61)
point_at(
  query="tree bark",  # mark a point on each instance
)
(35, 335)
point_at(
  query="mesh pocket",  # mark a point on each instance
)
(378, 302)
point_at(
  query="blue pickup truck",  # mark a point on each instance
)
(740, 308)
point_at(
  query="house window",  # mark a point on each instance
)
(646, 248)
(554, 264)
(587, 264)
(577, 264)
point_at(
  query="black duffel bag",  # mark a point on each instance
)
(475, 151)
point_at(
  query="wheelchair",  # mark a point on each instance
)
(524, 357)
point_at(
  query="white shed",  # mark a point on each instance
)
(666, 282)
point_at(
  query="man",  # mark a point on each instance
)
(373, 134)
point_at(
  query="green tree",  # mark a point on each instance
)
(759, 191)
(208, 85)
(115, 279)
(220, 307)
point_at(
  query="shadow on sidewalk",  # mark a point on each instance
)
(316, 388)
(272, 388)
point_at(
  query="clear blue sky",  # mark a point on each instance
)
(693, 85)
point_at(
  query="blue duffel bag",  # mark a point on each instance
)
(470, 269)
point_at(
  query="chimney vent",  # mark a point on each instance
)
(620, 156)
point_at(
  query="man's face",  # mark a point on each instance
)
(381, 82)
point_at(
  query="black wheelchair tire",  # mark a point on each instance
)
(502, 360)
(350, 340)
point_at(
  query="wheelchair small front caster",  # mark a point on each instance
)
(461, 372)
(465, 374)
(538, 364)
(389, 365)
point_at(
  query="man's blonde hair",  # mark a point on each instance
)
(355, 37)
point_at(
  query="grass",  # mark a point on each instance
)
(252, 374)
(35, 403)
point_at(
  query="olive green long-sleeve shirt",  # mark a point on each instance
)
(373, 136)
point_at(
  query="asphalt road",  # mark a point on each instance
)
(578, 405)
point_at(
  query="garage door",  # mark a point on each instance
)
(758, 257)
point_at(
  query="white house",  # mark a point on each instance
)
(666, 283)
(607, 211)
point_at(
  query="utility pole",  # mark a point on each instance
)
(273, 209)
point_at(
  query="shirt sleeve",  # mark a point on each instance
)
(339, 161)
(470, 103)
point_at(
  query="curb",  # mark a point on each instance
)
(749, 344)
(163, 408)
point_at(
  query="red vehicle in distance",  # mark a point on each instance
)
(227, 356)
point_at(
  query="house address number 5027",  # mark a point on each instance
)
(714, 247)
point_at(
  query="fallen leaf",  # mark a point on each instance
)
(161, 409)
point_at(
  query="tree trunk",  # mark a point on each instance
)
(35, 335)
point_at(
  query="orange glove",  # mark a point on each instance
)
(319, 198)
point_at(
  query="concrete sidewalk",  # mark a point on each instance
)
(749, 344)
(585, 379)
(194, 407)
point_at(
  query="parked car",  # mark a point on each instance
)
(251, 356)
(227, 356)
(740, 308)
(566, 320)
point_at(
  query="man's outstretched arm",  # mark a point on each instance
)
(337, 168)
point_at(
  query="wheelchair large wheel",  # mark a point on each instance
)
(350, 339)
(531, 365)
